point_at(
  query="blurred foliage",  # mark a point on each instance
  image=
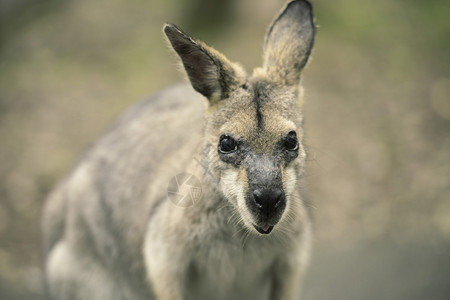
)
(200, 15)
(377, 120)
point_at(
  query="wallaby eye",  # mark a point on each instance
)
(291, 141)
(227, 144)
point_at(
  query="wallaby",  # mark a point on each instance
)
(112, 230)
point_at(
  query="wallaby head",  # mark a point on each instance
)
(253, 139)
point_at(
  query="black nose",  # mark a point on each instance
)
(267, 200)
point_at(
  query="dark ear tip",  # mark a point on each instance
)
(302, 2)
(174, 33)
(169, 28)
(302, 8)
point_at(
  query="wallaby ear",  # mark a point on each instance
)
(210, 73)
(289, 42)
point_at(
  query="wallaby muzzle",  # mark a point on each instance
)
(266, 199)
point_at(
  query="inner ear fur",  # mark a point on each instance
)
(289, 42)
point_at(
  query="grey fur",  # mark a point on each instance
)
(111, 233)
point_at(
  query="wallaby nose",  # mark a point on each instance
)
(267, 200)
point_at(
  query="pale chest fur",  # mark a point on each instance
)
(233, 269)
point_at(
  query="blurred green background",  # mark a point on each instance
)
(377, 124)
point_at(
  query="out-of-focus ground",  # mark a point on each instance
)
(377, 124)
